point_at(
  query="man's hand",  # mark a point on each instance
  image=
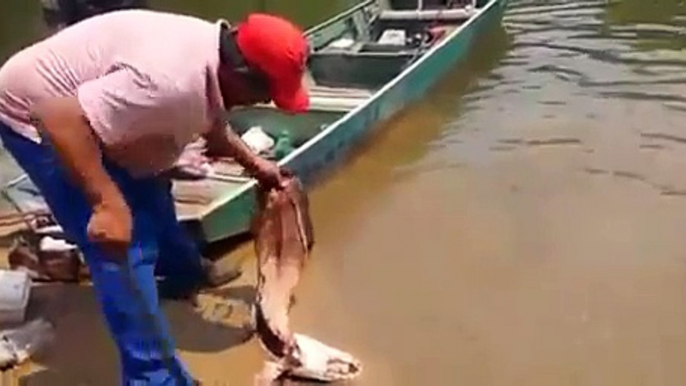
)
(110, 227)
(269, 174)
(222, 141)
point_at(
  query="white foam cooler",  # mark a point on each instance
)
(15, 288)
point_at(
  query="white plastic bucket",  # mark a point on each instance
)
(15, 288)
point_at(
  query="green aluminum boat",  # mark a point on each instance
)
(367, 63)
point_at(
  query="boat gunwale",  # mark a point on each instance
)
(221, 201)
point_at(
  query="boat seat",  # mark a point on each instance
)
(361, 65)
(337, 98)
(458, 14)
(332, 99)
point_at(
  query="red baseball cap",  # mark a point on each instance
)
(278, 48)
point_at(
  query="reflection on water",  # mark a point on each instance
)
(523, 225)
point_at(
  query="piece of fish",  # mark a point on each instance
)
(284, 239)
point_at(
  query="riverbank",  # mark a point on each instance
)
(209, 337)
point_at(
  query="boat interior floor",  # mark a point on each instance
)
(371, 56)
(193, 196)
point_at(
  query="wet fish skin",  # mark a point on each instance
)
(284, 239)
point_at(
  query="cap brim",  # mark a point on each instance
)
(290, 96)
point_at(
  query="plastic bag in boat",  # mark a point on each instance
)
(257, 140)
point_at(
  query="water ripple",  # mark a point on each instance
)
(574, 75)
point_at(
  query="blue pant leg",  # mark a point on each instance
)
(151, 359)
(127, 293)
(180, 259)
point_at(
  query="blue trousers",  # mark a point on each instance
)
(127, 292)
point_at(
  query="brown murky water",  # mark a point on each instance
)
(524, 225)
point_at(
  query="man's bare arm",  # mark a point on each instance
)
(63, 122)
(224, 142)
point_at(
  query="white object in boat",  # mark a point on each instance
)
(342, 43)
(15, 288)
(50, 229)
(396, 37)
(48, 243)
(257, 140)
(19, 344)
